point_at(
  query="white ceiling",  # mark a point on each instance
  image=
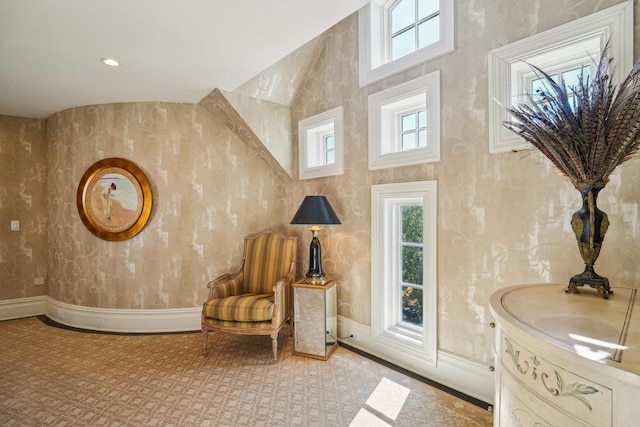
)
(169, 50)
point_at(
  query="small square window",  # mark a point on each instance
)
(404, 124)
(320, 145)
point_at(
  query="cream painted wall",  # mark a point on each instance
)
(503, 219)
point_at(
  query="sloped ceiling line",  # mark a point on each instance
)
(216, 103)
(259, 112)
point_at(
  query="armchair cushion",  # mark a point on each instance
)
(243, 308)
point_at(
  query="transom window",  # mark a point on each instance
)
(414, 24)
(395, 35)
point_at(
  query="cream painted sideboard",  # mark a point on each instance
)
(566, 359)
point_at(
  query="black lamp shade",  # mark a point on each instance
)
(315, 210)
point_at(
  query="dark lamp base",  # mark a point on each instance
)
(315, 259)
(591, 278)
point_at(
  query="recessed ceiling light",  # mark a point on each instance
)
(110, 62)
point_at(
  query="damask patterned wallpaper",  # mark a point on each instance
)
(23, 181)
(209, 189)
(503, 219)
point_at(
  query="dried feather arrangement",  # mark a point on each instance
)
(586, 130)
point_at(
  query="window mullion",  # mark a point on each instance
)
(416, 38)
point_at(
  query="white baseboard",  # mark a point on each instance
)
(22, 307)
(103, 319)
(458, 373)
(126, 321)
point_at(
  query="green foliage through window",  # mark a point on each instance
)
(412, 264)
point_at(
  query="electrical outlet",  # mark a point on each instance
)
(60, 314)
(38, 281)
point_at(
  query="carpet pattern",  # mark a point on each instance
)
(56, 377)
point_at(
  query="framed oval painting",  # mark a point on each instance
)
(114, 199)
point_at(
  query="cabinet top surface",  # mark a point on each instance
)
(304, 283)
(607, 331)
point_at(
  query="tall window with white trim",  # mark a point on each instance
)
(404, 267)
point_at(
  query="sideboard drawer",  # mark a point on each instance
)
(554, 387)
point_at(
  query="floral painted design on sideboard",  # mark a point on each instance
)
(576, 390)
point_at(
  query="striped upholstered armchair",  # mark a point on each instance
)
(257, 299)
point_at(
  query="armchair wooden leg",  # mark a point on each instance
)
(274, 346)
(204, 338)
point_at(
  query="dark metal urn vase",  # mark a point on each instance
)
(590, 225)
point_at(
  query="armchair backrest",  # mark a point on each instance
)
(268, 256)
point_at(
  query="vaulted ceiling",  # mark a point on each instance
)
(169, 50)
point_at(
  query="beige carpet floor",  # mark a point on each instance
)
(56, 377)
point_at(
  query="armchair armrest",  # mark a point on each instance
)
(283, 296)
(226, 285)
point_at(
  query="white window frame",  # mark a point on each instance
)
(374, 48)
(385, 199)
(311, 133)
(580, 41)
(385, 108)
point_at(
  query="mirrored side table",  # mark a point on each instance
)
(316, 318)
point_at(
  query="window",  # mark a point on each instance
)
(404, 124)
(329, 149)
(398, 34)
(570, 76)
(410, 284)
(414, 24)
(320, 145)
(403, 267)
(413, 130)
(563, 51)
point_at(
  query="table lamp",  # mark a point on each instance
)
(315, 210)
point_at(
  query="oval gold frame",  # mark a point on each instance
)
(97, 217)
